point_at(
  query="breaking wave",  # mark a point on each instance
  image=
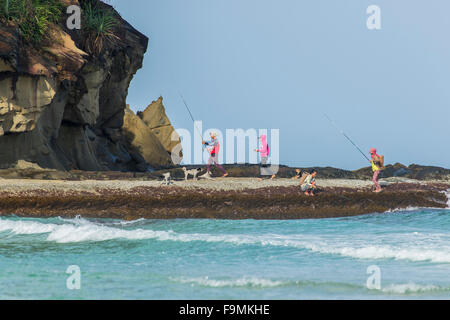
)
(413, 288)
(402, 209)
(447, 193)
(81, 230)
(385, 252)
(252, 282)
(255, 282)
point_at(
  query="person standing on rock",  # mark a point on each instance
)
(264, 167)
(377, 164)
(213, 148)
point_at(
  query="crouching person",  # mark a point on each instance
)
(309, 184)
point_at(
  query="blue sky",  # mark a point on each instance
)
(282, 64)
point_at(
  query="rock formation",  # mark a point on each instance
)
(144, 141)
(64, 108)
(156, 119)
(412, 171)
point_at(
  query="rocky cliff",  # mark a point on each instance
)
(63, 100)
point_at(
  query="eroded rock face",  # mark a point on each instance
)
(156, 119)
(143, 140)
(22, 102)
(87, 110)
(63, 108)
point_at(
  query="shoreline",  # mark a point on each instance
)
(229, 198)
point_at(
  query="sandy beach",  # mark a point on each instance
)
(14, 186)
(18, 186)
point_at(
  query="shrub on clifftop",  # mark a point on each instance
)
(98, 24)
(32, 16)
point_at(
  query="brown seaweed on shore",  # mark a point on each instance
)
(263, 203)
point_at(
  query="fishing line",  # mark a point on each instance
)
(190, 114)
(345, 135)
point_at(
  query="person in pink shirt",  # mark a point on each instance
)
(264, 151)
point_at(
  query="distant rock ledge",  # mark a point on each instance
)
(398, 172)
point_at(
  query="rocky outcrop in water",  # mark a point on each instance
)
(64, 108)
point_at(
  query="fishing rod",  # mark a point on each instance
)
(346, 136)
(190, 114)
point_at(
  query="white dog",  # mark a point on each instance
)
(192, 172)
(166, 179)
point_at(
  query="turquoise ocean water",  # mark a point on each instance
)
(216, 259)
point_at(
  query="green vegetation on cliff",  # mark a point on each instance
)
(32, 16)
(99, 24)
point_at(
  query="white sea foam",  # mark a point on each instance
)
(255, 282)
(240, 282)
(25, 227)
(77, 221)
(447, 193)
(409, 208)
(77, 230)
(385, 252)
(71, 233)
(425, 248)
(412, 288)
(127, 223)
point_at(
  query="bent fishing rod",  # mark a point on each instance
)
(345, 135)
(190, 114)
